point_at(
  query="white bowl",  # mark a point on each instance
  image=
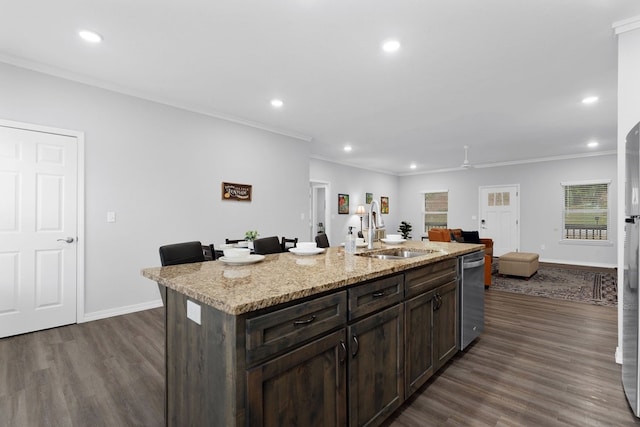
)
(236, 252)
(306, 245)
(393, 237)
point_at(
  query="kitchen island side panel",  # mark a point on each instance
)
(203, 384)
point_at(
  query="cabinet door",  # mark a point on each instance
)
(305, 387)
(376, 363)
(419, 366)
(445, 323)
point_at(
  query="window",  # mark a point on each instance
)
(436, 207)
(586, 211)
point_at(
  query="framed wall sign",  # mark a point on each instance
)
(384, 205)
(239, 192)
(343, 203)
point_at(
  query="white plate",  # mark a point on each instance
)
(358, 245)
(391, 242)
(299, 251)
(241, 260)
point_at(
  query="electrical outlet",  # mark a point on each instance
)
(111, 217)
(193, 311)
(542, 246)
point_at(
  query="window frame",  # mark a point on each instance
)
(425, 212)
(585, 241)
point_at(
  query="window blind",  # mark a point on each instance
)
(436, 207)
(586, 211)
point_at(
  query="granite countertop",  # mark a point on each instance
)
(283, 277)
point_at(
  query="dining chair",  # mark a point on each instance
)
(267, 245)
(209, 252)
(322, 240)
(181, 253)
(231, 241)
(288, 243)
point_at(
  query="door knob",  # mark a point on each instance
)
(68, 240)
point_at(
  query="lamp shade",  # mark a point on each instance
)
(360, 210)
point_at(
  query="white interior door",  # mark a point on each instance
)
(38, 230)
(500, 217)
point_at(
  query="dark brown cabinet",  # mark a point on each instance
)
(376, 361)
(445, 324)
(305, 387)
(431, 319)
(419, 341)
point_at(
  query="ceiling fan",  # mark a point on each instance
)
(466, 164)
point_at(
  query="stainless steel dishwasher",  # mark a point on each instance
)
(471, 297)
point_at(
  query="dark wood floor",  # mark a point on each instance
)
(540, 362)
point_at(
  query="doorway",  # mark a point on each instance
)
(41, 243)
(319, 208)
(500, 217)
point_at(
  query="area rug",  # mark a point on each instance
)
(579, 285)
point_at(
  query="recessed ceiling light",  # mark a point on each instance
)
(277, 103)
(90, 36)
(391, 45)
(590, 100)
(592, 144)
(347, 148)
(413, 166)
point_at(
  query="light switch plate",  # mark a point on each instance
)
(111, 216)
(193, 311)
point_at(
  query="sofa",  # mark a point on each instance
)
(458, 235)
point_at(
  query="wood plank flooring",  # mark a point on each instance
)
(104, 373)
(540, 362)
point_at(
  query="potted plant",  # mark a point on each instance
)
(250, 236)
(405, 229)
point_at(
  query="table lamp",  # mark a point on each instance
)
(360, 211)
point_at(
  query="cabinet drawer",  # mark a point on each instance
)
(279, 330)
(376, 295)
(424, 279)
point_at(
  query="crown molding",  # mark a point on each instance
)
(626, 25)
(89, 81)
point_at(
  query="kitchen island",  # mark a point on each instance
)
(329, 339)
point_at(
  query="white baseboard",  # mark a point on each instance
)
(584, 264)
(103, 314)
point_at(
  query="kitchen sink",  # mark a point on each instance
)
(398, 253)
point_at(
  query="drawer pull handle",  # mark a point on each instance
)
(356, 346)
(343, 351)
(437, 301)
(378, 294)
(304, 322)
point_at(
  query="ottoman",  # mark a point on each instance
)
(522, 264)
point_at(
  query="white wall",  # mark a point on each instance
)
(540, 203)
(160, 169)
(355, 182)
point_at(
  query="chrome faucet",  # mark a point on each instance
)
(371, 231)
